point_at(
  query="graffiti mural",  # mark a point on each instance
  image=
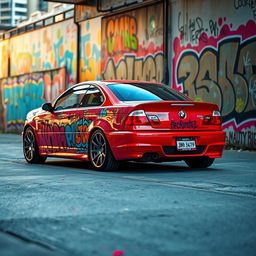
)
(214, 60)
(132, 45)
(90, 50)
(46, 48)
(54, 84)
(4, 57)
(24, 93)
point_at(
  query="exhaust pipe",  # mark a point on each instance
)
(150, 157)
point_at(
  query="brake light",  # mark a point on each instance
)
(137, 117)
(214, 119)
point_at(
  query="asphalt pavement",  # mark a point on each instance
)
(63, 207)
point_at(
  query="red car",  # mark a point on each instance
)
(110, 121)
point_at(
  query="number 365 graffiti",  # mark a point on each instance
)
(226, 76)
(221, 70)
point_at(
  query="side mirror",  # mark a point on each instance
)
(47, 107)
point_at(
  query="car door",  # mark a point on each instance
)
(59, 137)
(88, 111)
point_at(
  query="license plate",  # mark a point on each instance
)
(185, 144)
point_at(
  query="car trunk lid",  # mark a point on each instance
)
(180, 115)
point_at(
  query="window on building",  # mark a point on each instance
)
(43, 6)
(21, 14)
(4, 5)
(6, 13)
(6, 22)
(20, 5)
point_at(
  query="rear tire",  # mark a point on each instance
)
(30, 148)
(100, 153)
(199, 162)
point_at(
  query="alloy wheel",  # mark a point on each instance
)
(98, 149)
(29, 145)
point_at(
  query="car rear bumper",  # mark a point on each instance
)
(127, 145)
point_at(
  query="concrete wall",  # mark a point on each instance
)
(41, 64)
(90, 50)
(213, 58)
(21, 94)
(51, 47)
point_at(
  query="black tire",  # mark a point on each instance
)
(100, 154)
(199, 162)
(30, 148)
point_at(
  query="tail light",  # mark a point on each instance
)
(153, 119)
(137, 117)
(214, 119)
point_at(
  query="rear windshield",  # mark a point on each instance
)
(145, 92)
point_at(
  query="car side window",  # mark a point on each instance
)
(72, 98)
(92, 98)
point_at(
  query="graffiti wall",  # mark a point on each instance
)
(132, 45)
(2, 112)
(51, 47)
(4, 56)
(214, 60)
(21, 94)
(90, 50)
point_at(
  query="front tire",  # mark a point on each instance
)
(199, 162)
(30, 148)
(100, 153)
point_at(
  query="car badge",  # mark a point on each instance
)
(182, 114)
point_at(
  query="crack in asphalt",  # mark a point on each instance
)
(28, 240)
(193, 186)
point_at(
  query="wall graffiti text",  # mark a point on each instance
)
(121, 34)
(195, 29)
(149, 68)
(132, 45)
(246, 4)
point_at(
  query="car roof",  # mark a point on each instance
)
(106, 82)
(131, 82)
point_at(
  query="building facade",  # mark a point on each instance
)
(11, 11)
(37, 5)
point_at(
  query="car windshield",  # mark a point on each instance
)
(145, 92)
